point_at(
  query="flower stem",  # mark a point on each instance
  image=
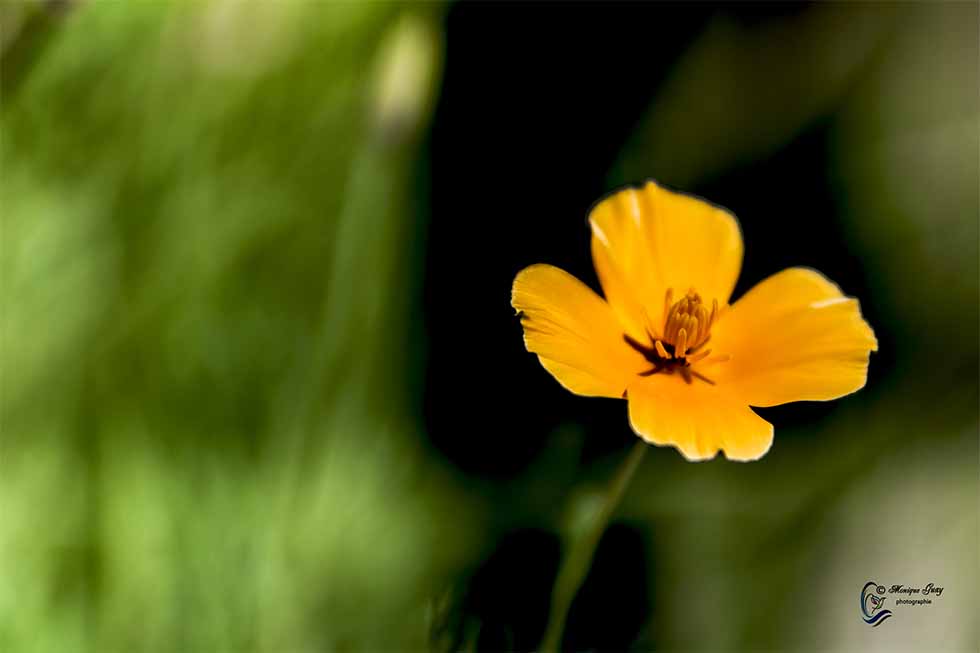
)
(578, 559)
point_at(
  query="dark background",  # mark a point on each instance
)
(521, 147)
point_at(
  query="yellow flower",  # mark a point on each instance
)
(666, 339)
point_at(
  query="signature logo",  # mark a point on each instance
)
(872, 602)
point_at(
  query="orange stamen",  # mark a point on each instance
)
(698, 356)
(680, 348)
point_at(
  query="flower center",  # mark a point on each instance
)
(680, 343)
(687, 322)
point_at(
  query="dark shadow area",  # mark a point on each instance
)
(504, 605)
(613, 604)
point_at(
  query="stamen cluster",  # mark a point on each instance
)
(686, 329)
(687, 323)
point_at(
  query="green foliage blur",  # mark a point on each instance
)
(211, 249)
(208, 440)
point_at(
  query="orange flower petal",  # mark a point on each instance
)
(793, 337)
(646, 240)
(574, 332)
(697, 418)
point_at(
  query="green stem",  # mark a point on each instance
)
(576, 563)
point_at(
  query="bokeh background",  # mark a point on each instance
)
(263, 390)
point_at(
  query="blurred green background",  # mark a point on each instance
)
(232, 243)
